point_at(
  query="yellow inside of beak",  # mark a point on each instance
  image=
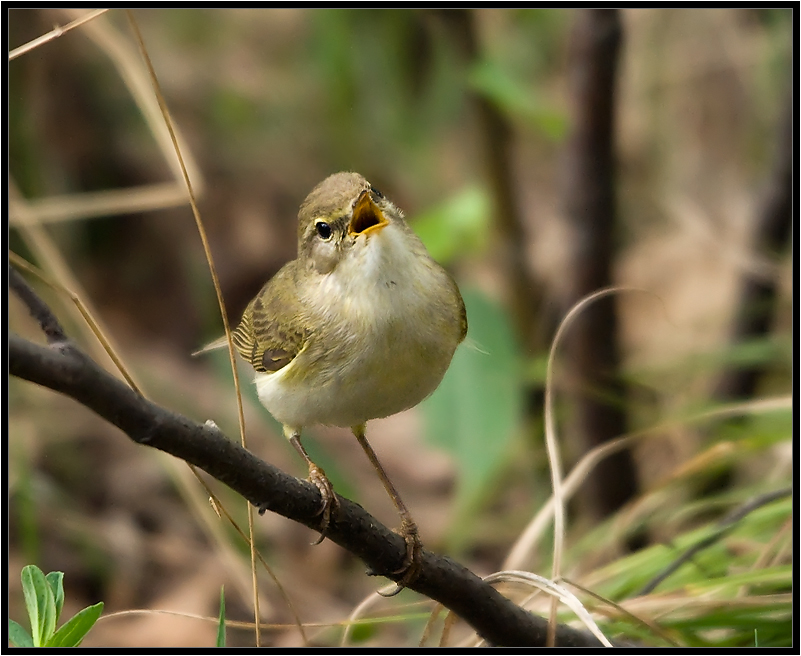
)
(366, 217)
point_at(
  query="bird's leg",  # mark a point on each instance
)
(318, 477)
(408, 528)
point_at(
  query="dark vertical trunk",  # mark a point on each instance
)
(757, 302)
(589, 202)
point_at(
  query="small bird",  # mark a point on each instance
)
(362, 325)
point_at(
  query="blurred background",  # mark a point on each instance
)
(541, 154)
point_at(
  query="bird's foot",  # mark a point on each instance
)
(330, 504)
(412, 563)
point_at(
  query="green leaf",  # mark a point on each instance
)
(76, 628)
(475, 411)
(18, 636)
(56, 581)
(221, 622)
(457, 226)
(40, 603)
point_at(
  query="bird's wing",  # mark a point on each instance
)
(272, 332)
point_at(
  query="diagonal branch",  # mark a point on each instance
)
(64, 368)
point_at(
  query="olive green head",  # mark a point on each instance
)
(340, 209)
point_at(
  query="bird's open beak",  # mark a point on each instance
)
(367, 218)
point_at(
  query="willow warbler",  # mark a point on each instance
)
(363, 324)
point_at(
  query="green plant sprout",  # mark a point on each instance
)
(221, 621)
(44, 599)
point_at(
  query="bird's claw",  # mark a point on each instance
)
(412, 562)
(330, 504)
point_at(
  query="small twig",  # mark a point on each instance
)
(37, 307)
(85, 313)
(722, 527)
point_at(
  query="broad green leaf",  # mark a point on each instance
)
(76, 628)
(457, 226)
(221, 621)
(56, 581)
(475, 411)
(40, 603)
(18, 636)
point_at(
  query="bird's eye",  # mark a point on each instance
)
(376, 192)
(323, 229)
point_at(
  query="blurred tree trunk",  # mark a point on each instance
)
(588, 195)
(495, 134)
(757, 303)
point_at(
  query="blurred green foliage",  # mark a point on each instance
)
(517, 99)
(456, 228)
(388, 88)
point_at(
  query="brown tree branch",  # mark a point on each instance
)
(64, 368)
(37, 307)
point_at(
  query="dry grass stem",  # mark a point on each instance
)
(522, 550)
(556, 591)
(56, 32)
(162, 105)
(554, 457)
(119, 201)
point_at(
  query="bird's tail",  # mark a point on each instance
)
(220, 342)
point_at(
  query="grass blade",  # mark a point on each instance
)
(221, 621)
